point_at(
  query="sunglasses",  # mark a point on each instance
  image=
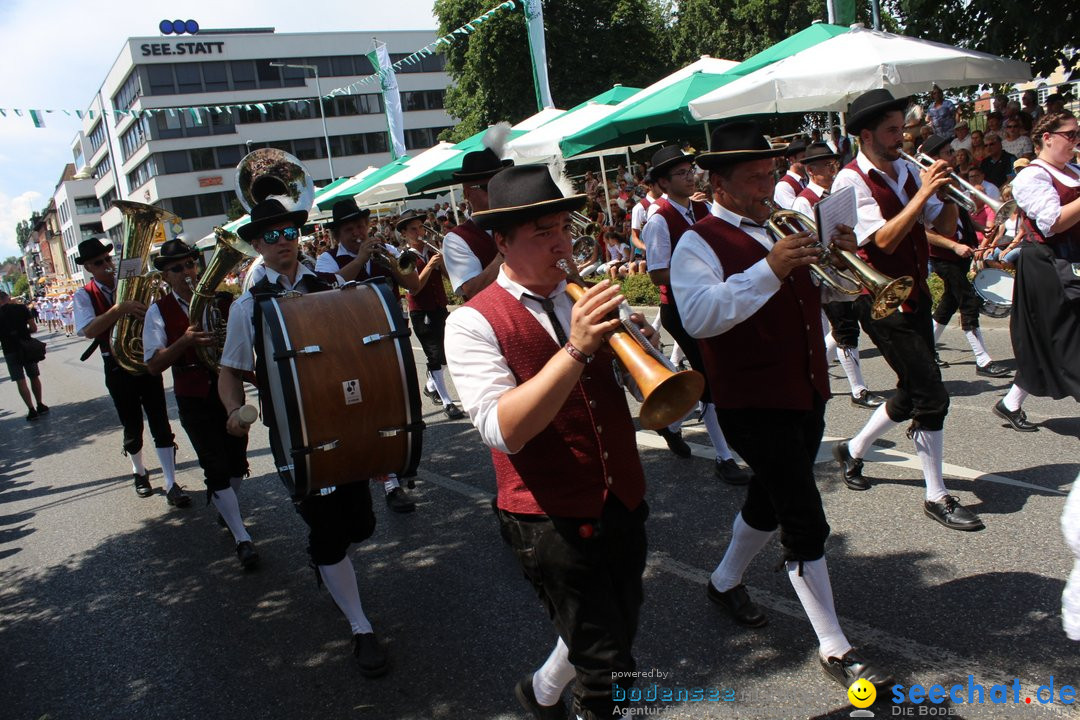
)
(270, 237)
(188, 265)
(1070, 135)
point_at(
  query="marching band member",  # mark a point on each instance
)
(895, 208)
(794, 180)
(669, 217)
(335, 519)
(170, 340)
(535, 376)
(132, 395)
(843, 317)
(1044, 318)
(756, 312)
(950, 258)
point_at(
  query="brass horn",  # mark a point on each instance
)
(205, 312)
(271, 172)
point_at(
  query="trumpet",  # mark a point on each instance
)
(964, 195)
(843, 271)
(668, 393)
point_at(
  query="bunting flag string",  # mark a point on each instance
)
(197, 113)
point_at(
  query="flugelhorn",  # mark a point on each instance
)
(843, 271)
(668, 394)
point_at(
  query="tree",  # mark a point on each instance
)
(22, 284)
(22, 233)
(235, 211)
(591, 45)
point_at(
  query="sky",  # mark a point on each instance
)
(56, 54)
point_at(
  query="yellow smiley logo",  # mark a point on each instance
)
(861, 693)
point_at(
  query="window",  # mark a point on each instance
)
(188, 78)
(323, 63)
(222, 122)
(302, 110)
(185, 206)
(175, 162)
(342, 65)
(141, 174)
(1043, 93)
(129, 92)
(423, 100)
(211, 204)
(161, 79)
(306, 149)
(134, 137)
(354, 144)
(429, 63)
(230, 155)
(87, 206)
(102, 167)
(276, 113)
(294, 76)
(97, 136)
(377, 142)
(215, 76)
(77, 153)
(362, 65)
(169, 124)
(107, 201)
(202, 159)
(89, 231)
(269, 77)
(193, 128)
(243, 74)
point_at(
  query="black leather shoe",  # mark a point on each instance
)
(32, 415)
(730, 472)
(142, 485)
(867, 399)
(42, 408)
(850, 467)
(992, 369)
(950, 513)
(675, 442)
(846, 670)
(1016, 418)
(370, 655)
(523, 691)
(454, 412)
(738, 604)
(247, 554)
(177, 497)
(399, 501)
(433, 396)
(940, 363)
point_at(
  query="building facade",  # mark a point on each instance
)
(77, 217)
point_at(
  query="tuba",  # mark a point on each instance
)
(206, 310)
(140, 225)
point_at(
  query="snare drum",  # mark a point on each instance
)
(342, 399)
(995, 287)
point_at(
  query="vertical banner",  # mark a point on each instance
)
(534, 17)
(844, 11)
(380, 58)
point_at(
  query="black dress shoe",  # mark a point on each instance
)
(369, 655)
(399, 501)
(32, 415)
(950, 513)
(42, 408)
(177, 497)
(939, 362)
(730, 472)
(867, 399)
(675, 442)
(992, 369)
(738, 604)
(142, 485)
(525, 695)
(247, 554)
(846, 670)
(1016, 418)
(850, 467)
(453, 412)
(433, 396)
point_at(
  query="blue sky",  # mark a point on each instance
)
(56, 53)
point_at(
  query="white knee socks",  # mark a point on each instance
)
(677, 355)
(831, 348)
(340, 580)
(439, 380)
(815, 594)
(878, 424)
(137, 465)
(553, 676)
(930, 447)
(939, 330)
(849, 360)
(974, 338)
(715, 433)
(167, 457)
(746, 542)
(390, 483)
(1014, 398)
(227, 504)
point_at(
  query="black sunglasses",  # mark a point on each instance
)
(270, 237)
(182, 267)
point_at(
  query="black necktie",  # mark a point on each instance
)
(548, 306)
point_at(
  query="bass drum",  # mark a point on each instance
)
(342, 399)
(995, 287)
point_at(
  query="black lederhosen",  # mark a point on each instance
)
(429, 326)
(132, 395)
(221, 456)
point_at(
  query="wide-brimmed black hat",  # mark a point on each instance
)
(92, 248)
(407, 217)
(522, 193)
(666, 158)
(735, 142)
(173, 250)
(346, 211)
(870, 105)
(481, 164)
(933, 145)
(795, 147)
(819, 151)
(269, 212)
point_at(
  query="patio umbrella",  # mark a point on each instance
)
(395, 185)
(857, 61)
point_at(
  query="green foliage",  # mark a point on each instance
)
(235, 211)
(22, 233)
(937, 288)
(21, 286)
(640, 290)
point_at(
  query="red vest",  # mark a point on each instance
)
(677, 224)
(911, 255)
(101, 305)
(481, 244)
(810, 196)
(588, 449)
(433, 295)
(190, 377)
(776, 358)
(795, 184)
(1067, 195)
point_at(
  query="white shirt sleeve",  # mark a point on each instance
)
(1034, 192)
(84, 311)
(460, 262)
(153, 333)
(802, 205)
(784, 195)
(657, 242)
(239, 350)
(481, 373)
(869, 214)
(637, 217)
(326, 263)
(709, 303)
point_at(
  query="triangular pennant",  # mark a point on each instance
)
(18, 112)
(35, 115)
(3, 113)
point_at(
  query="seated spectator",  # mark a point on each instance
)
(1015, 142)
(977, 178)
(1002, 243)
(993, 123)
(997, 166)
(963, 161)
(592, 186)
(978, 150)
(962, 141)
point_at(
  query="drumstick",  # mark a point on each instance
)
(247, 415)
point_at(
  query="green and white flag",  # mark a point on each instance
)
(380, 58)
(534, 17)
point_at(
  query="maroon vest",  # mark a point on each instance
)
(588, 449)
(101, 305)
(792, 182)
(433, 295)
(481, 244)
(190, 377)
(809, 195)
(1067, 195)
(775, 359)
(911, 255)
(677, 224)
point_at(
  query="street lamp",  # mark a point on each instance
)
(318, 90)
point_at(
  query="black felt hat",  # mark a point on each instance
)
(870, 105)
(481, 164)
(92, 248)
(173, 250)
(346, 211)
(522, 193)
(269, 212)
(933, 145)
(735, 142)
(407, 217)
(795, 147)
(819, 151)
(666, 158)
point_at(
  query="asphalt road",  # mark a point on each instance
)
(112, 606)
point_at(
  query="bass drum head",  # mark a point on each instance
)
(995, 287)
(280, 404)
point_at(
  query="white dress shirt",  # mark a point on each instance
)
(639, 214)
(965, 144)
(802, 205)
(657, 238)
(84, 308)
(153, 333)
(784, 194)
(481, 373)
(869, 214)
(1034, 192)
(460, 262)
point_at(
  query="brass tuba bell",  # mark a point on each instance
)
(205, 311)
